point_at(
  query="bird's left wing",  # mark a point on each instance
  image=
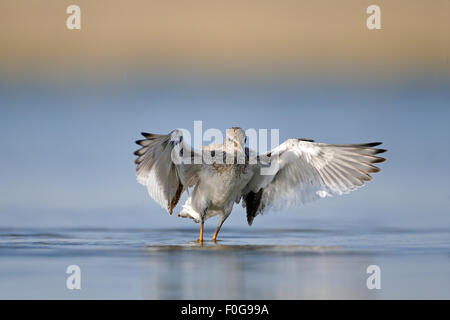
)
(303, 171)
(163, 169)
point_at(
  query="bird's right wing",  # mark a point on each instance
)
(305, 171)
(165, 167)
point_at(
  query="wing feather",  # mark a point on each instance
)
(308, 171)
(165, 179)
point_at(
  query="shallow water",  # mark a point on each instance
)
(244, 264)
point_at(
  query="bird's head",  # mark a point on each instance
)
(235, 138)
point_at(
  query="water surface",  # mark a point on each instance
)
(244, 264)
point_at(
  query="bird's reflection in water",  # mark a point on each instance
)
(221, 271)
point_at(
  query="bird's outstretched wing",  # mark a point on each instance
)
(162, 168)
(305, 171)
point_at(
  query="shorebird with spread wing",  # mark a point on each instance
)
(302, 171)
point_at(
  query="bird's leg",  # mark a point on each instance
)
(222, 220)
(216, 233)
(200, 239)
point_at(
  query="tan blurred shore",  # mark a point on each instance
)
(235, 36)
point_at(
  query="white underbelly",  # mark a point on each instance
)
(223, 189)
(217, 192)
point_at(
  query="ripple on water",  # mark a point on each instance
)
(195, 246)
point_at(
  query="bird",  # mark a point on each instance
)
(297, 171)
